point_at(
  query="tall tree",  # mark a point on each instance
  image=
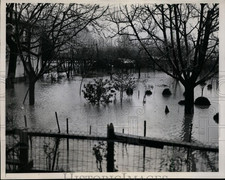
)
(13, 50)
(13, 53)
(185, 36)
(42, 32)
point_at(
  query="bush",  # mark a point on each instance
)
(124, 82)
(202, 101)
(98, 92)
(129, 91)
(166, 92)
(148, 92)
(181, 102)
(216, 118)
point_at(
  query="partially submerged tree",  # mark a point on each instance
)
(123, 82)
(42, 32)
(185, 36)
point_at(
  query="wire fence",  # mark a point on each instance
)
(133, 158)
(54, 154)
(48, 152)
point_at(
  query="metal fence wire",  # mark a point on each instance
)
(134, 158)
(49, 152)
(54, 154)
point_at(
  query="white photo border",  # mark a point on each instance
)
(117, 175)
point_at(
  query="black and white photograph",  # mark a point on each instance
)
(110, 87)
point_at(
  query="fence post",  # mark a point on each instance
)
(144, 128)
(144, 147)
(110, 148)
(23, 154)
(67, 141)
(25, 121)
(90, 130)
(57, 120)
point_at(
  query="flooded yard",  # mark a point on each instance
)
(111, 87)
(128, 117)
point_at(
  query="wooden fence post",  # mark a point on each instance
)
(67, 140)
(144, 128)
(144, 147)
(90, 130)
(25, 121)
(23, 151)
(110, 148)
(57, 120)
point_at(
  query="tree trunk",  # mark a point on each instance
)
(189, 99)
(187, 128)
(12, 63)
(121, 95)
(31, 93)
(81, 85)
(139, 72)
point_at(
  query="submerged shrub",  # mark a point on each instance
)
(99, 91)
(166, 92)
(202, 101)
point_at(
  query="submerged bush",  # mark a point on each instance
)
(124, 82)
(216, 118)
(166, 92)
(181, 102)
(129, 91)
(202, 101)
(148, 92)
(100, 91)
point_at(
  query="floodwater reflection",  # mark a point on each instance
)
(127, 117)
(63, 97)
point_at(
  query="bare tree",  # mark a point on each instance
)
(12, 55)
(13, 51)
(86, 62)
(185, 37)
(42, 32)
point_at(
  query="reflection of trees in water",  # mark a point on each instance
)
(172, 160)
(210, 160)
(187, 137)
(186, 133)
(175, 159)
(193, 156)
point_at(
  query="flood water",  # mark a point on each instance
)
(63, 97)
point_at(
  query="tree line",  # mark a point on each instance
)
(182, 36)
